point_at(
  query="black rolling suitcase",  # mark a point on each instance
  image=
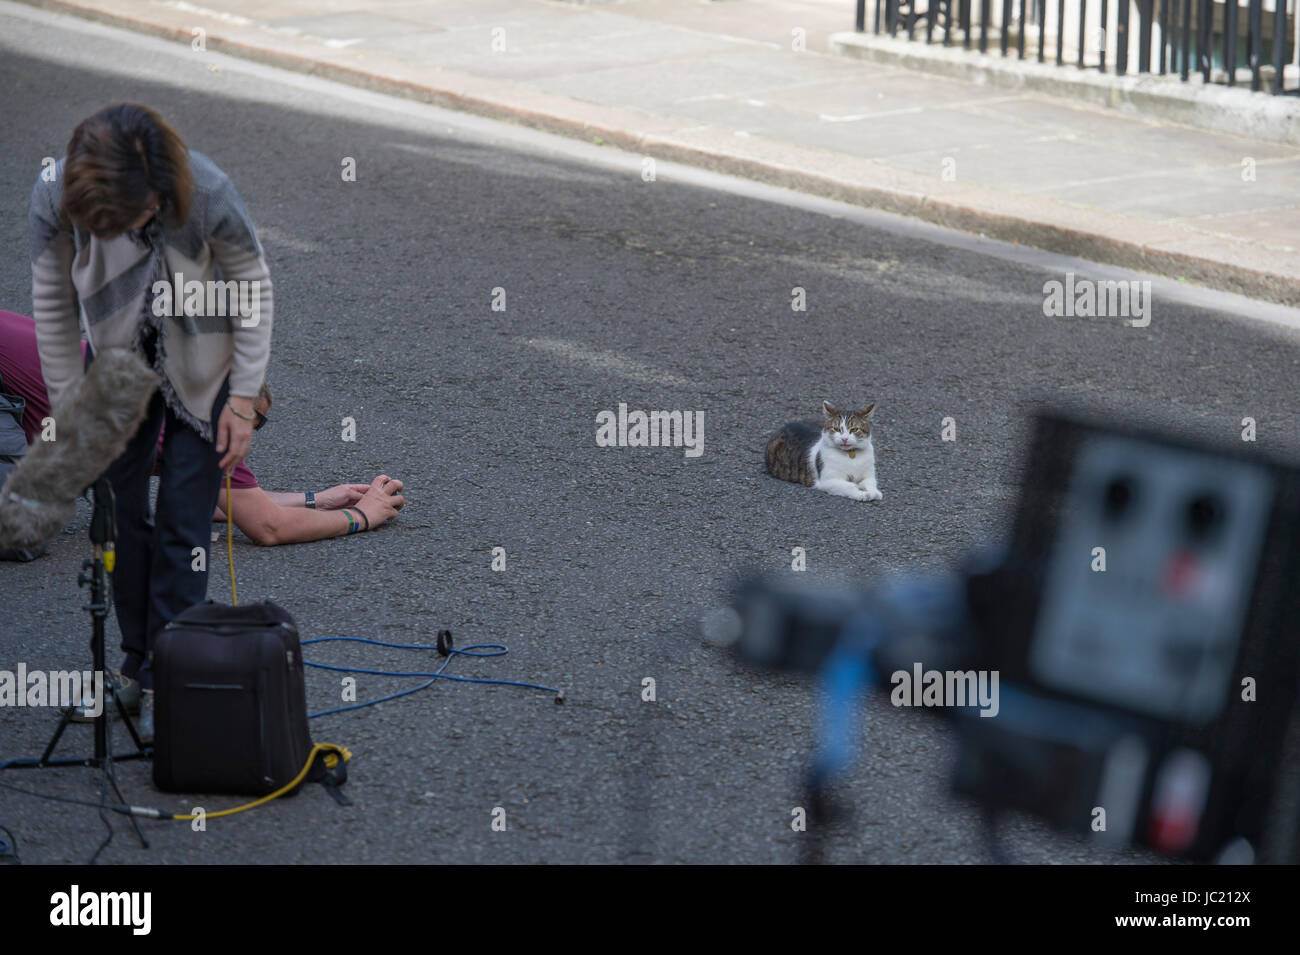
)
(230, 705)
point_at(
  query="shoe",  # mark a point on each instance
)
(128, 691)
(144, 726)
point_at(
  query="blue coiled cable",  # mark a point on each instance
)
(477, 650)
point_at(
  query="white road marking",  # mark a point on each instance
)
(280, 237)
(608, 362)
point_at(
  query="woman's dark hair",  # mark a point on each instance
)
(116, 158)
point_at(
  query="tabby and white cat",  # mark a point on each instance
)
(836, 457)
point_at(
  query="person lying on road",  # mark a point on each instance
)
(265, 517)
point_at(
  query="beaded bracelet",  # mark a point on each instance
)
(239, 414)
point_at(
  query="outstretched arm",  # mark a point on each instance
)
(341, 495)
(269, 523)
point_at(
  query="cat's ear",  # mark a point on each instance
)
(866, 412)
(831, 410)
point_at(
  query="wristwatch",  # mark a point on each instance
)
(311, 498)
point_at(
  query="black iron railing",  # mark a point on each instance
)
(1179, 37)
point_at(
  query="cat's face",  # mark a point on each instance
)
(848, 431)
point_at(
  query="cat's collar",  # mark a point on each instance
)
(851, 452)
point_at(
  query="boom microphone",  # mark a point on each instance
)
(94, 422)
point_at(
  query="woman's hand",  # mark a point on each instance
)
(340, 495)
(381, 502)
(235, 434)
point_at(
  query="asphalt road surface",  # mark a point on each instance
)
(665, 294)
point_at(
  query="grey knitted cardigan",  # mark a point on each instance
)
(109, 285)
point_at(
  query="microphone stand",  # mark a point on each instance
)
(94, 570)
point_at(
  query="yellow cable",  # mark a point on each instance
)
(230, 548)
(338, 752)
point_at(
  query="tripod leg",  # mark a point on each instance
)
(112, 778)
(130, 725)
(64, 720)
(821, 814)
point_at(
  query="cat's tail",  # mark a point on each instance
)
(787, 455)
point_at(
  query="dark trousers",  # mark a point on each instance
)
(155, 577)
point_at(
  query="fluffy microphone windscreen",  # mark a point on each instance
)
(92, 426)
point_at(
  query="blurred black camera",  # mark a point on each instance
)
(1128, 665)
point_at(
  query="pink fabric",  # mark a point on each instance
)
(20, 367)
